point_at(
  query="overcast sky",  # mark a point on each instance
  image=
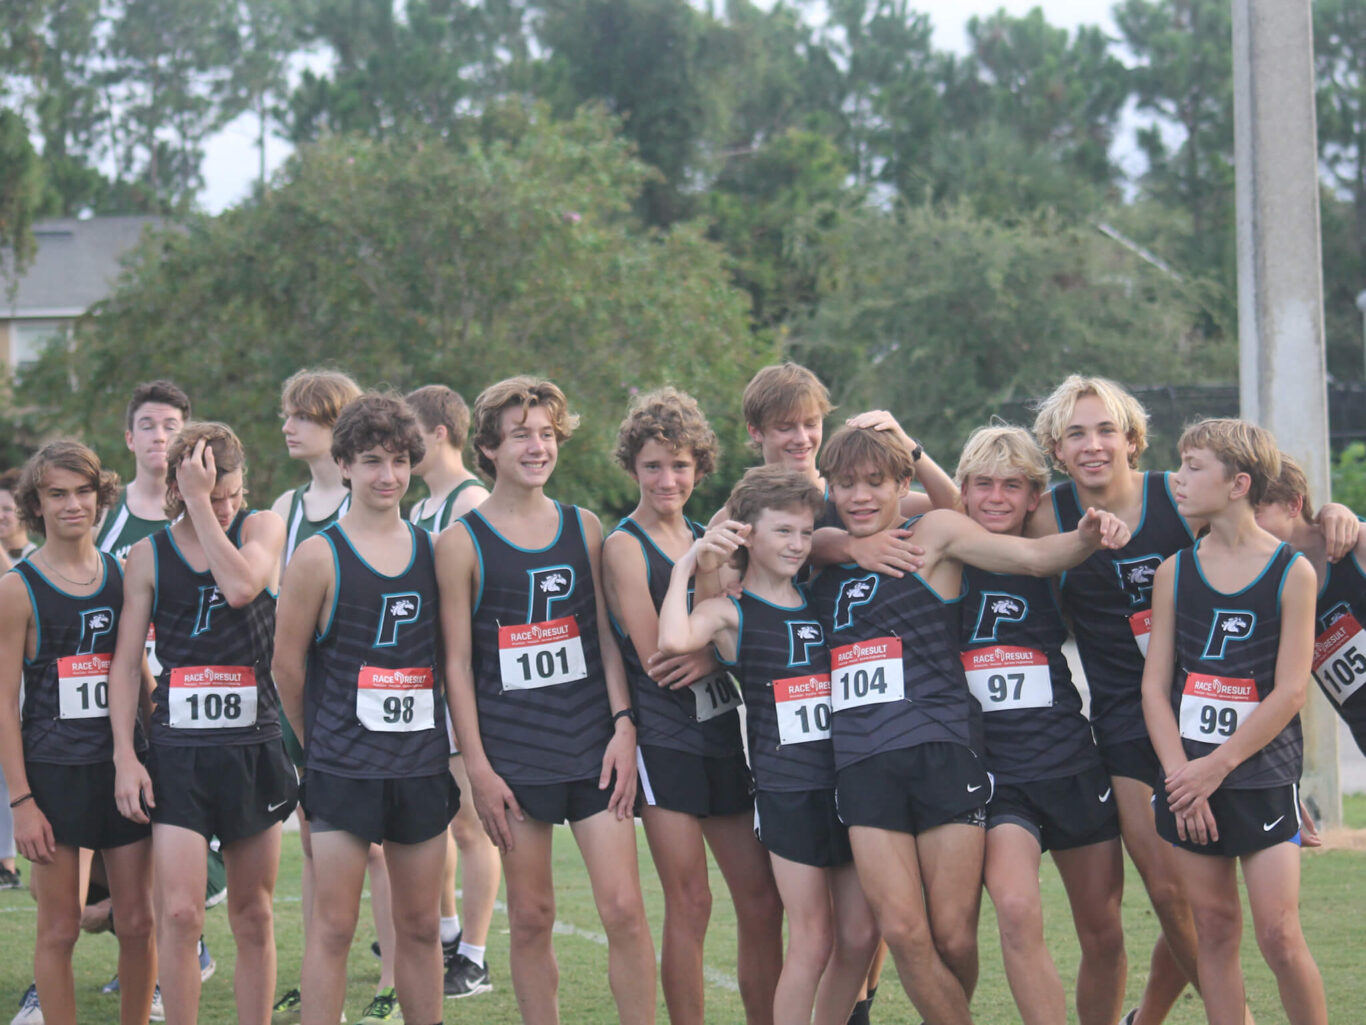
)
(231, 159)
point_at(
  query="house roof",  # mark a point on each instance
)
(75, 266)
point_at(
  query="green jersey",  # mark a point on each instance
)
(444, 514)
(122, 529)
(299, 528)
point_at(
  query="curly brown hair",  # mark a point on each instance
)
(62, 455)
(672, 418)
(377, 419)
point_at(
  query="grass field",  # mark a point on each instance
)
(1332, 904)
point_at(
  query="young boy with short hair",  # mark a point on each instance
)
(452, 490)
(356, 660)
(771, 637)
(539, 696)
(906, 731)
(1227, 671)
(157, 410)
(59, 615)
(1096, 431)
(1051, 792)
(696, 785)
(216, 767)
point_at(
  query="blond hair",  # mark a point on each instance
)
(1002, 450)
(1055, 412)
(852, 447)
(1241, 447)
(523, 392)
(318, 396)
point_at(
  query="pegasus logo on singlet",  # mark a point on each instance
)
(396, 610)
(853, 593)
(998, 608)
(1229, 625)
(1333, 615)
(802, 636)
(1136, 577)
(548, 586)
(95, 623)
(210, 598)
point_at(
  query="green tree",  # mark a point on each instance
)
(1340, 59)
(21, 185)
(941, 315)
(640, 59)
(1183, 75)
(422, 64)
(409, 261)
(166, 81)
(1060, 92)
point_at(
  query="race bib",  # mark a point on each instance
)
(866, 673)
(1004, 678)
(714, 695)
(395, 700)
(83, 686)
(1213, 707)
(1141, 623)
(545, 654)
(212, 697)
(803, 705)
(1340, 659)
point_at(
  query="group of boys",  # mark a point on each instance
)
(913, 732)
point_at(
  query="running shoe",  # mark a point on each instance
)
(29, 1011)
(9, 878)
(287, 1008)
(383, 1009)
(158, 1012)
(464, 978)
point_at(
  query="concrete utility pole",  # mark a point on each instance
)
(1282, 372)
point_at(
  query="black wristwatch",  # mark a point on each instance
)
(625, 713)
(917, 452)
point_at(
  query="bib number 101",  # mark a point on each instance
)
(545, 664)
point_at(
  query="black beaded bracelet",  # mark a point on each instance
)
(20, 800)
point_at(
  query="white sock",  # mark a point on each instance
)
(450, 928)
(475, 954)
